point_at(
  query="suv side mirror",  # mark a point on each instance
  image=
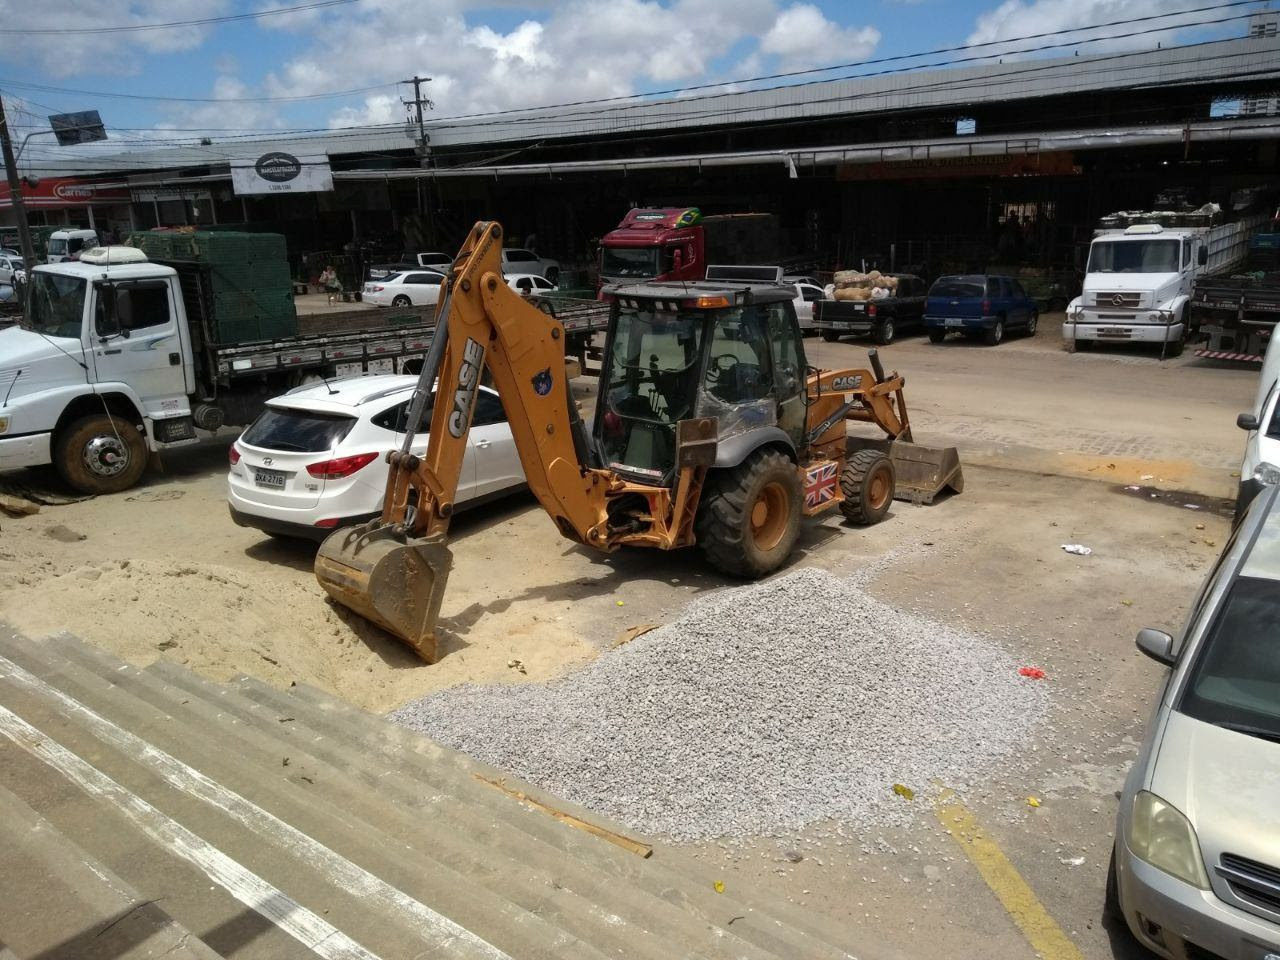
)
(1157, 645)
(1247, 421)
(1202, 255)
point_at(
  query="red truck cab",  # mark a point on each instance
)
(664, 243)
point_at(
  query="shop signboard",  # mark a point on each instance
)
(280, 172)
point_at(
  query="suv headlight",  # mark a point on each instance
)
(1164, 838)
(1264, 472)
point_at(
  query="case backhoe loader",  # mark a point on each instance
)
(709, 428)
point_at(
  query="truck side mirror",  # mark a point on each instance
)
(1247, 421)
(1202, 255)
(105, 322)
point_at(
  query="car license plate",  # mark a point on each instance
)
(954, 322)
(269, 478)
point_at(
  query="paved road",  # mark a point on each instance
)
(1028, 403)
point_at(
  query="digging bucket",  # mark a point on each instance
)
(922, 472)
(395, 582)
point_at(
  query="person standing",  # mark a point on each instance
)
(332, 285)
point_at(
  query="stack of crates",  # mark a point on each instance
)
(250, 292)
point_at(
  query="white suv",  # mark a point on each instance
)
(315, 459)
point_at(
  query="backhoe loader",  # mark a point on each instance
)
(709, 429)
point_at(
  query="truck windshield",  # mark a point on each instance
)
(629, 262)
(649, 382)
(58, 248)
(56, 304)
(1134, 256)
(1235, 681)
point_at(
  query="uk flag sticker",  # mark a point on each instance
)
(819, 484)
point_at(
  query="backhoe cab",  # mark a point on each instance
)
(709, 428)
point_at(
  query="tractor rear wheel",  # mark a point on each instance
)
(867, 483)
(750, 515)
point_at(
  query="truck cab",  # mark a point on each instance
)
(663, 243)
(99, 371)
(1137, 286)
(69, 244)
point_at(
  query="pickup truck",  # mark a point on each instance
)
(118, 357)
(519, 260)
(881, 319)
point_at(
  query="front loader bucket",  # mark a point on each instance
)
(921, 472)
(395, 582)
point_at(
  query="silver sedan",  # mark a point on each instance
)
(1196, 871)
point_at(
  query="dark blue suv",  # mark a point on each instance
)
(979, 304)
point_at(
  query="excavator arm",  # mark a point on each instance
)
(393, 570)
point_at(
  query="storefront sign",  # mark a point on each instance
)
(55, 192)
(946, 168)
(166, 194)
(280, 172)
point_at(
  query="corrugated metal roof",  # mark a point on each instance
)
(960, 87)
(1258, 57)
(899, 151)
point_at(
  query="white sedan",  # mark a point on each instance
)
(315, 459)
(11, 267)
(413, 288)
(528, 284)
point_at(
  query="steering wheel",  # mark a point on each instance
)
(721, 364)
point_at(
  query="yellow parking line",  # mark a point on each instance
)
(1040, 929)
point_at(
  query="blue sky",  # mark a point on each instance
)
(484, 56)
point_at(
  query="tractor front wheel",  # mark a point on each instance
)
(750, 515)
(868, 483)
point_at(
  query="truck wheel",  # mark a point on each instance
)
(994, 333)
(1033, 321)
(101, 454)
(937, 334)
(868, 483)
(830, 336)
(401, 301)
(750, 515)
(884, 333)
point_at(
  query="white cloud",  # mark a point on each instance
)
(1020, 18)
(68, 54)
(802, 37)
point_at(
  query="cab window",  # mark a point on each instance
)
(127, 308)
(739, 368)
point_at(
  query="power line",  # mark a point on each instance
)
(960, 87)
(205, 21)
(44, 88)
(749, 80)
(1093, 58)
(900, 57)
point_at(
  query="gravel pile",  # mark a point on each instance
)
(761, 710)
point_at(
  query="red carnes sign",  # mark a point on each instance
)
(55, 192)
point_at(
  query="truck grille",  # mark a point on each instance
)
(1121, 300)
(1253, 882)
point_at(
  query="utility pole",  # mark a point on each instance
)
(15, 192)
(423, 148)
